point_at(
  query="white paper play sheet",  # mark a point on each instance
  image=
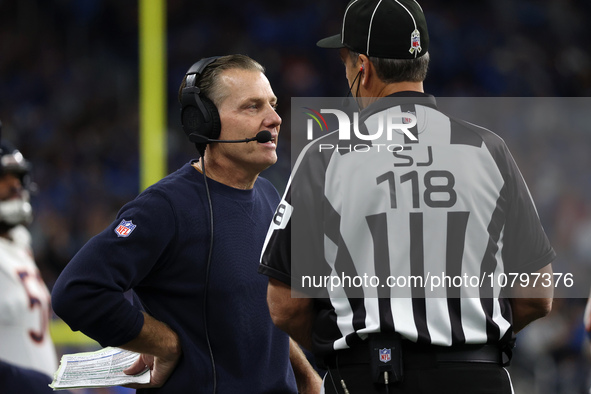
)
(97, 369)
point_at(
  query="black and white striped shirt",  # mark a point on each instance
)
(451, 204)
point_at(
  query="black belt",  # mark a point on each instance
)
(490, 354)
(415, 355)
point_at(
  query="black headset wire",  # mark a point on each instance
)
(340, 377)
(358, 85)
(208, 266)
(334, 385)
(350, 91)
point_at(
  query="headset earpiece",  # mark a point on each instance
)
(199, 116)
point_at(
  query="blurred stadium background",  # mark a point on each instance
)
(69, 99)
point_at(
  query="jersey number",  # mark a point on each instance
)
(438, 184)
(35, 303)
(278, 218)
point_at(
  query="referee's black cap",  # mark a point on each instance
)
(391, 29)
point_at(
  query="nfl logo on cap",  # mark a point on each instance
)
(415, 42)
(385, 355)
(125, 228)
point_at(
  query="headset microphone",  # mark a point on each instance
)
(262, 137)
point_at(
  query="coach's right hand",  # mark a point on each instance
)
(160, 351)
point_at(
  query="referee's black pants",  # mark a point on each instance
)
(443, 378)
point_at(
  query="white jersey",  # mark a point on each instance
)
(24, 307)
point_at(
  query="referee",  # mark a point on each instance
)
(451, 204)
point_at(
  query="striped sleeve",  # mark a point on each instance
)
(526, 247)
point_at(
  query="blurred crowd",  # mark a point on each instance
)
(69, 102)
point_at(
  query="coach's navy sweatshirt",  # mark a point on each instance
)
(158, 246)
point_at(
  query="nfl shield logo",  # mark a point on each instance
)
(385, 355)
(124, 228)
(407, 120)
(415, 41)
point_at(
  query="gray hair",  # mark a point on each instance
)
(398, 70)
(208, 81)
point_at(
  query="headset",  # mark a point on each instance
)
(201, 121)
(199, 115)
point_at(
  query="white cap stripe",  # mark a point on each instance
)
(413, 19)
(344, 21)
(370, 23)
(417, 3)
